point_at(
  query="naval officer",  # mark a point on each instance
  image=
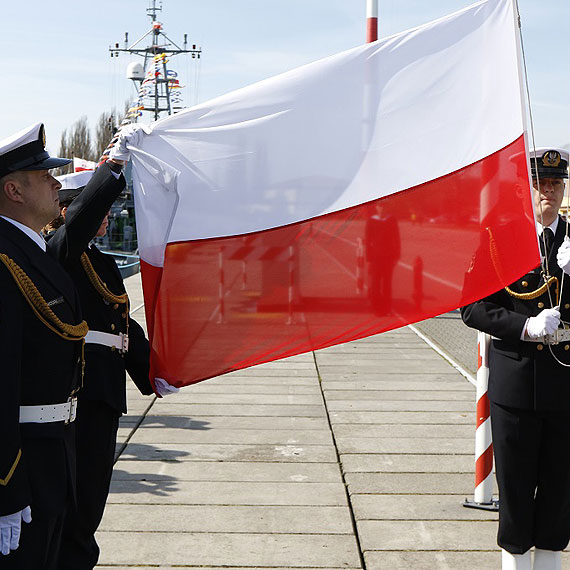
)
(529, 384)
(116, 343)
(41, 341)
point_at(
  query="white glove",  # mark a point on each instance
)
(129, 135)
(546, 322)
(563, 256)
(163, 388)
(10, 527)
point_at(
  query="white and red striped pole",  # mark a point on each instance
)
(371, 20)
(221, 280)
(359, 267)
(483, 496)
(291, 283)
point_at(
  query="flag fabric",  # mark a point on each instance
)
(372, 189)
(80, 164)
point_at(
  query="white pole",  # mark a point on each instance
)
(483, 496)
(371, 20)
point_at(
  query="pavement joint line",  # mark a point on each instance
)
(133, 311)
(444, 354)
(127, 531)
(339, 462)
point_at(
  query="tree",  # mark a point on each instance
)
(104, 130)
(76, 142)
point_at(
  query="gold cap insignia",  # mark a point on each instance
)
(551, 159)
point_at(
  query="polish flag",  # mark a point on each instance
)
(80, 164)
(372, 189)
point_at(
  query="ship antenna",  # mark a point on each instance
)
(158, 87)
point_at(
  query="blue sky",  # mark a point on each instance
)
(56, 65)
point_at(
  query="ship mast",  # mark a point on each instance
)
(157, 85)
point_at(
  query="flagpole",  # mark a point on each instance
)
(371, 20)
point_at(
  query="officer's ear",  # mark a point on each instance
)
(63, 211)
(11, 186)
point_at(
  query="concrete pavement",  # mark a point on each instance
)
(356, 456)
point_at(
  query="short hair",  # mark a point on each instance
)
(20, 175)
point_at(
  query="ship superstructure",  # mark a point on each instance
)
(158, 87)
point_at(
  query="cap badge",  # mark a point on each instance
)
(551, 159)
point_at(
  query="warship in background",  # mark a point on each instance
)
(158, 94)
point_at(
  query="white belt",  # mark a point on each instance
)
(49, 413)
(120, 341)
(560, 335)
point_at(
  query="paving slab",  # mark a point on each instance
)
(261, 388)
(398, 463)
(188, 565)
(222, 549)
(242, 379)
(459, 446)
(404, 417)
(400, 395)
(195, 409)
(417, 507)
(401, 406)
(447, 431)
(399, 382)
(411, 483)
(384, 354)
(427, 535)
(189, 397)
(153, 435)
(228, 519)
(229, 452)
(226, 493)
(126, 470)
(263, 372)
(442, 560)
(386, 366)
(235, 422)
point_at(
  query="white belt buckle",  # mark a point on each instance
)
(124, 342)
(551, 338)
(72, 401)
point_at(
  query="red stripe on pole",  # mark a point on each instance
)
(483, 409)
(483, 465)
(371, 30)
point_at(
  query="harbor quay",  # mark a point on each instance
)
(358, 456)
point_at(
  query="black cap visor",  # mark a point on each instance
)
(549, 172)
(47, 164)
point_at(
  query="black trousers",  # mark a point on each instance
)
(532, 463)
(97, 425)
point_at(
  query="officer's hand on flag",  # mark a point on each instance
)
(163, 388)
(129, 136)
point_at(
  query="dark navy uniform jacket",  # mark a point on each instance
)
(104, 367)
(37, 460)
(524, 374)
